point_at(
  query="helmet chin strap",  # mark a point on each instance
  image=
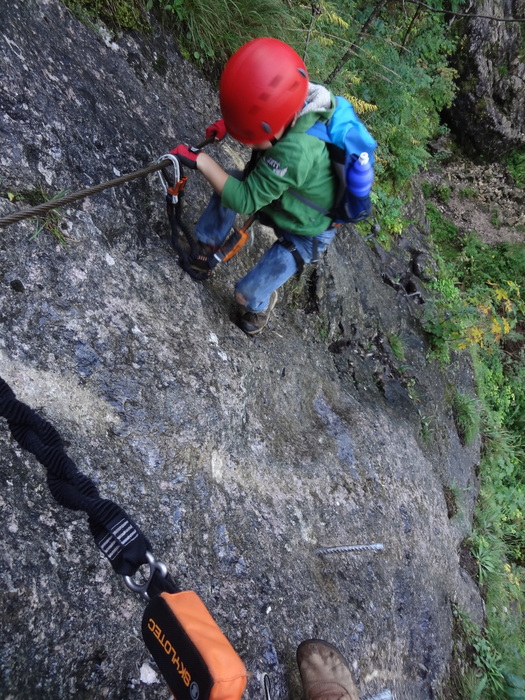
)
(286, 130)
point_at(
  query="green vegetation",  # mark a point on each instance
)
(127, 14)
(516, 166)
(443, 193)
(388, 212)
(467, 193)
(495, 218)
(444, 233)
(466, 416)
(427, 427)
(209, 32)
(396, 345)
(477, 306)
(472, 644)
(427, 190)
(51, 221)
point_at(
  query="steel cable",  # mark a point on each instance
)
(41, 209)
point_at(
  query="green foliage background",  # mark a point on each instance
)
(478, 306)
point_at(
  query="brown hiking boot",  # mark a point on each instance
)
(324, 672)
(252, 323)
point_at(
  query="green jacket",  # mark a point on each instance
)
(298, 161)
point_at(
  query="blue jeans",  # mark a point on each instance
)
(275, 267)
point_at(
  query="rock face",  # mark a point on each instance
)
(478, 197)
(237, 457)
(488, 114)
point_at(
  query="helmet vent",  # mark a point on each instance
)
(275, 81)
(254, 109)
(264, 96)
(266, 127)
(302, 72)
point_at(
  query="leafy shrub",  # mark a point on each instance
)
(467, 193)
(216, 29)
(445, 234)
(516, 165)
(493, 677)
(516, 412)
(388, 210)
(427, 189)
(443, 193)
(478, 304)
(483, 263)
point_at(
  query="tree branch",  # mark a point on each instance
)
(339, 67)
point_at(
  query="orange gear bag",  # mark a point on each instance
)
(193, 655)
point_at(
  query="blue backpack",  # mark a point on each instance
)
(346, 137)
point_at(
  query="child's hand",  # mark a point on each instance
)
(217, 130)
(186, 155)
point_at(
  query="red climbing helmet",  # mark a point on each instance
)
(263, 86)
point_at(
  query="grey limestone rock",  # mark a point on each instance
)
(488, 113)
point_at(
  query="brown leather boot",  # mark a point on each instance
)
(253, 323)
(324, 672)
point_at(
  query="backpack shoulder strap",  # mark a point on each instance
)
(320, 129)
(337, 156)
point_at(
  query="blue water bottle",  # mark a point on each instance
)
(360, 176)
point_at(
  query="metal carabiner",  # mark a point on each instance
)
(142, 588)
(166, 186)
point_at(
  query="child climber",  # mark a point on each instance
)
(268, 104)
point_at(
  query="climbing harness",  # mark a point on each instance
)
(193, 655)
(195, 258)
